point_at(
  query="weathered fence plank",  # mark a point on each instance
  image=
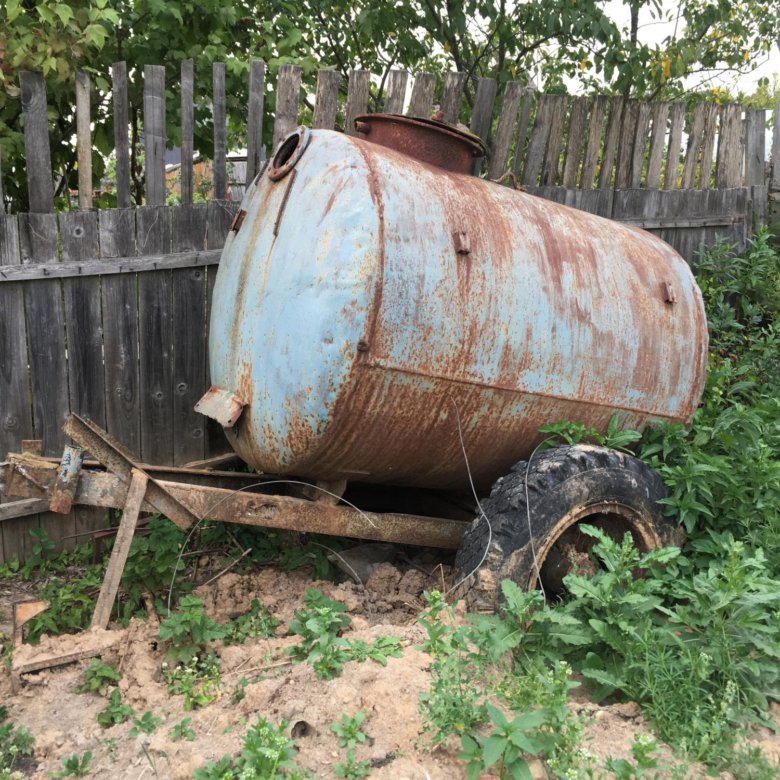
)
(395, 95)
(657, 140)
(595, 131)
(37, 152)
(326, 101)
(640, 142)
(625, 154)
(482, 115)
(83, 140)
(154, 134)
(507, 123)
(523, 122)
(708, 146)
(254, 120)
(552, 155)
(675, 141)
(121, 143)
(219, 117)
(421, 101)
(538, 143)
(575, 136)
(611, 142)
(357, 99)
(451, 96)
(187, 130)
(774, 182)
(728, 171)
(692, 155)
(755, 143)
(288, 88)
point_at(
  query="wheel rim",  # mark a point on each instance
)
(565, 549)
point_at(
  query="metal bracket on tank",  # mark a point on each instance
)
(221, 405)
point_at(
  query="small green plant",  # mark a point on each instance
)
(16, 742)
(115, 711)
(148, 723)
(574, 433)
(189, 629)
(348, 730)
(75, 765)
(239, 693)
(182, 730)
(351, 768)
(505, 746)
(197, 679)
(98, 678)
(258, 622)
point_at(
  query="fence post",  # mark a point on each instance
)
(154, 134)
(83, 140)
(37, 153)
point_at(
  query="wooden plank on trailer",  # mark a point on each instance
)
(187, 130)
(611, 142)
(755, 144)
(708, 146)
(640, 143)
(523, 122)
(675, 141)
(421, 102)
(16, 422)
(693, 152)
(627, 139)
(451, 96)
(155, 339)
(657, 142)
(288, 87)
(189, 335)
(326, 100)
(774, 182)
(576, 133)
(395, 94)
(37, 153)
(121, 549)
(121, 143)
(538, 143)
(120, 329)
(254, 124)
(357, 98)
(552, 155)
(154, 134)
(728, 172)
(83, 325)
(14, 509)
(507, 124)
(219, 117)
(83, 140)
(39, 243)
(482, 115)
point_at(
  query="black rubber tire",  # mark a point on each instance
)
(566, 485)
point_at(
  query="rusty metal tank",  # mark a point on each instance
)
(378, 313)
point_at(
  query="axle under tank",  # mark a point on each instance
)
(386, 317)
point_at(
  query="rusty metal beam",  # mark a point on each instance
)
(116, 458)
(108, 490)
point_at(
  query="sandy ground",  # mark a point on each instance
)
(63, 721)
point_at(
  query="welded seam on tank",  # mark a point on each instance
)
(517, 391)
(376, 195)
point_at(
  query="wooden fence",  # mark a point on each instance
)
(105, 312)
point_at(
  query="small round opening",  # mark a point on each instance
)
(288, 153)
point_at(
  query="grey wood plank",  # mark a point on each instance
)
(220, 215)
(640, 144)
(693, 152)
(523, 122)
(39, 243)
(187, 125)
(627, 140)
(326, 100)
(421, 102)
(451, 96)
(121, 143)
(37, 153)
(83, 139)
(357, 98)
(708, 146)
(538, 143)
(755, 144)
(728, 171)
(84, 328)
(395, 94)
(507, 124)
(216, 442)
(188, 232)
(120, 330)
(154, 134)
(255, 119)
(155, 339)
(575, 137)
(288, 87)
(482, 115)
(657, 143)
(774, 182)
(552, 155)
(675, 140)
(611, 142)
(759, 206)
(219, 190)
(590, 159)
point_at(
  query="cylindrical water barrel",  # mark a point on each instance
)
(387, 320)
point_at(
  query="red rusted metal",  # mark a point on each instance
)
(221, 405)
(426, 140)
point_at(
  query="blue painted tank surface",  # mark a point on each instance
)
(371, 301)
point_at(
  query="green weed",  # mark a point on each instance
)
(76, 765)
(197, 679)
(182, 730)
(258, 622)
(16, 743)
(98, 678)
(115, 711)
(188, 630)
(148, 723)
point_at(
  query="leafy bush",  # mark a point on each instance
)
(115, 712)
(198, 679)
(258, 622)
(98, 678)
(189, 629)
